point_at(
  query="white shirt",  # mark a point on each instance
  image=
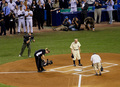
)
(73, 3)
(30, 1)
(12, 5)
(75, 46)
(95, 58)
(42, 2)
(83, 5)
(7, 0)
(16, 12)
(28, 17)
(21, 12)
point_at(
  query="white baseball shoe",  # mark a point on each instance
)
(29, 56)
(19, 55)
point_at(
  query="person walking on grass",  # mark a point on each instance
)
(27, 41)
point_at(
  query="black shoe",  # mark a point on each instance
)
(74, 65)
(39, 71)
(96, 74)
(43, 70)
(79, 64)
(100, 74)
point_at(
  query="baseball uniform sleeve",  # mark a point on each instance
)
(79, 44)
(71, 46)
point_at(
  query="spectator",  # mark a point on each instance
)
(33, 8)
(40, 15)
(17, 2)
(16, 16)
(63, 4)
(90, 2)
(23, 6)
(76, 24)
(73, 5)
(2, 4)
(65, 25)
(11, 5)
(79, 3)
(2, 23)
(6, 11)
(28, 15)
(48, 7)
(7, 1)
(42, 3)
(30, 1)
(21, 19)
(67, 22)
(27, 4)
(89, 23)
(12, 22)
(110, 4)
(84, 10)
(97, 11)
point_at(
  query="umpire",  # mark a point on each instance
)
(40, 58)
(27, 41)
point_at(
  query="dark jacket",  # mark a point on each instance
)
(1, 5)
(39, 12)
(48, 7)
(84, 10)
(63, 4)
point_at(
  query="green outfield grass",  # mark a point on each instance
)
(105, 40)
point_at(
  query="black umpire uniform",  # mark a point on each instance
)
(39, 62)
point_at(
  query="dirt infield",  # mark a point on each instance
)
(23, 73)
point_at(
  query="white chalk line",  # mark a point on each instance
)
(79, 81)
(54, 69)
(105, 71)
(18, 72)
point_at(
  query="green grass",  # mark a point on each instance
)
(2, 85)
(100, 41)
(106, 40)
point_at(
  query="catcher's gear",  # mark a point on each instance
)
(47, 63)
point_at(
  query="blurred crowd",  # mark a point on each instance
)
(26, 14)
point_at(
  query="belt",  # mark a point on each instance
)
(76, 49)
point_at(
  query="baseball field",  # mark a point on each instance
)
(21, 71)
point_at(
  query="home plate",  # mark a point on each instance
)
(78, 70)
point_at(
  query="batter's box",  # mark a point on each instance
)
(82, 70)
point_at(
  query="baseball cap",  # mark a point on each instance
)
(66, 17)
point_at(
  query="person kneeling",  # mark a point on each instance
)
(89, 23)
(96, 63)
(76, 24)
